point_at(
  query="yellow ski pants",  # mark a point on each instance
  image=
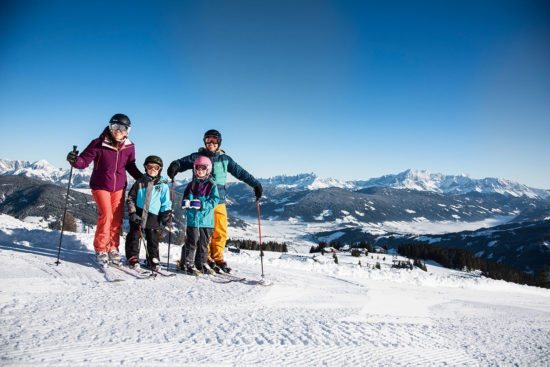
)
(219, 237)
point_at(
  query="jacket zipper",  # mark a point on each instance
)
(116, 169)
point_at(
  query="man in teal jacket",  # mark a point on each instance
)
(221, 165)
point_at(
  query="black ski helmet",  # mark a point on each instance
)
(154, 160)
(213, 134)
(120, 118)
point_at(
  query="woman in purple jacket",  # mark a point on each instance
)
(113, 154)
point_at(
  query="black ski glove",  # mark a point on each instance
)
(173, 170)
(134, 218)
(258, 191)
(164, 217)
(72, 156)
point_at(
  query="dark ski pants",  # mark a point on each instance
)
(195, 250)
(133, 242)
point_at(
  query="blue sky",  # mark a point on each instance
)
(344, 89)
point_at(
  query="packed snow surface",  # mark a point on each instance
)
(315, 312)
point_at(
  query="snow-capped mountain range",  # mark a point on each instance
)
(44, 171)
(411, 203)
(453, 184)
(41, 169)
(306, 181)
(418, 180)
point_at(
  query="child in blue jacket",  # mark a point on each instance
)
(149, 210)
(200, 198)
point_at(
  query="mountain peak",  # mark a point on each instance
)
(423, 180)
(43, 165)
(284, 181)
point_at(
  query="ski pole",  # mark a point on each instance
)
(184, 246)
(141, 239)
(260, 235)
(65, 211)
(171, 228)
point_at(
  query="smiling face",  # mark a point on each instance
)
(119, 135)
(212, 144)
(201, 171)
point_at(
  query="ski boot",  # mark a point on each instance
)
(133, 263)
(191, 270)
(205, 269)
(114, 257)
(214, 267)
(223, 266)
(102, 258)
(154, 264)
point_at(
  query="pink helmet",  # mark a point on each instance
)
(203, 161)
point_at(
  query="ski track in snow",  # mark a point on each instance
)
(313, 314)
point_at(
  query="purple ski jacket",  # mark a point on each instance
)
(110, 163)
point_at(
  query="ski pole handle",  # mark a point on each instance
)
(74, 148)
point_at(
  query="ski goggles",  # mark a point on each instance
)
(154, 167)
(201, 167)
(211, 140)
(119, 127)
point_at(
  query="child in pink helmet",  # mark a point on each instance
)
(200, 198)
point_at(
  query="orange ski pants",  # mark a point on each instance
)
(219, 237)
(110, 211)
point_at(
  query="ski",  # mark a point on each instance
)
(163, 272)
(244, 280)
(216, 279)
(139, 274)
(109, 274)
(208, 277)
(228, 276)
(199, 275)
(211, 277)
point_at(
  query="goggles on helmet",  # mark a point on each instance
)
(152, 166)
(119, 127)
(211, 140)
(201, 167)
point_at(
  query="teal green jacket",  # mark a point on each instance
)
(207, 192)
(221, 165)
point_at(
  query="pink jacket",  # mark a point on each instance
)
(110, 163)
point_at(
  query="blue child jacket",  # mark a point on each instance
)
(207, 192)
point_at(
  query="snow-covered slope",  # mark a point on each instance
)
(315, 313)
